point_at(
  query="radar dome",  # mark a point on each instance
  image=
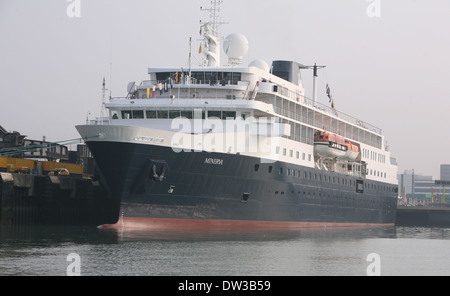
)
(235, 47)
(260, 64)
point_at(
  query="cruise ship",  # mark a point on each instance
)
(234, 145)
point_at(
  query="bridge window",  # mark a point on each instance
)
(187, 114)
(163, 114)
(134, 114)
(174, 114)
(152, 115)
(214, 114)
(228, 114)
(138, 114)
(126, 115)
(114, 115)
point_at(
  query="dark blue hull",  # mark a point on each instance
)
(155, 182)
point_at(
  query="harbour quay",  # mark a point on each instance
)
(435, 216)
(53, 200)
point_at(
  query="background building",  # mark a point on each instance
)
(416, 189)
(15, 145)
(445, 172)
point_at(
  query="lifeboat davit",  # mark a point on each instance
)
(332, 146)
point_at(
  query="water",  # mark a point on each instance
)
(44, 251)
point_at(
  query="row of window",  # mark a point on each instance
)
(291, 154)
(203, 77)
(319, 177)
(372, 155)
(171, 114)
(297, 156)
(377, 174)
(307, 114)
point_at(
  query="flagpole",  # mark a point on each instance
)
(315, 79)
(315, 84)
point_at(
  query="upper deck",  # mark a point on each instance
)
(231, 88)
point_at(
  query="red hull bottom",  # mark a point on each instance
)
(138, 224)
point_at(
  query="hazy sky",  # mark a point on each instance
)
(391, 70)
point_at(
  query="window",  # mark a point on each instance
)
(163, 114)
(187, 114)
(291, 153)
(214, 114)
(284, 151)
(151, 114)
(245, 115)
(114, 115)
(134, 114)
(138, 114)
(127, 115)
(174, 114)
(205, 77)
(228, 114)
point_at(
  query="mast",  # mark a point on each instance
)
(103, 111)
(315, 84)
(315, 69)
(212, 37)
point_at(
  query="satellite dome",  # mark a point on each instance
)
(235, 47)
(260, 64)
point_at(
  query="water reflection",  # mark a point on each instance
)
(92, 235)
(53, 235)
(254, 235)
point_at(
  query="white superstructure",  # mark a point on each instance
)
(214, 108)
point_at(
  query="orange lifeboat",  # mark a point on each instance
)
(328, 145)
(353, 152)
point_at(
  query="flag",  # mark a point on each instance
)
(329, 94)
(148, 93)
(154, 89)
(200, 49)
